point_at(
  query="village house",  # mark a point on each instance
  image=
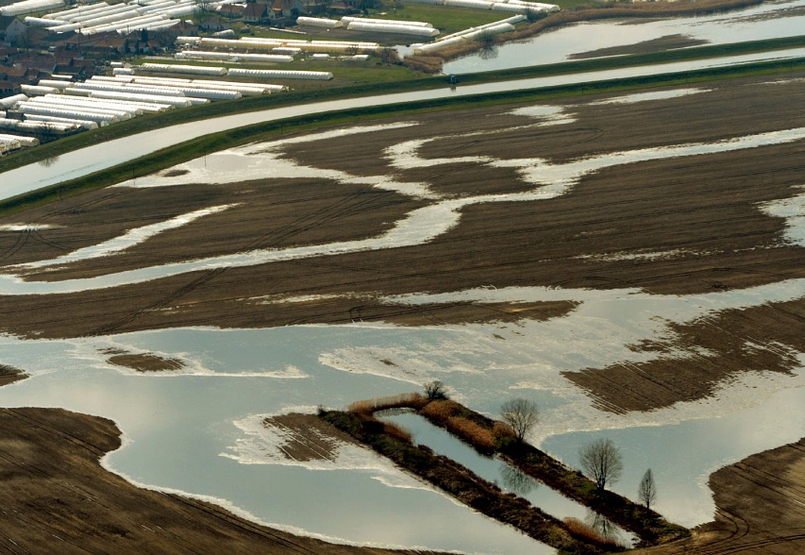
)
(231, 11)
(214, 23)
(11, 30)
(287, 9)
(80, 69)
(7, 88)
(257, 13)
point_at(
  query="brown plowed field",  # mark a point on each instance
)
(702, 213)
(761, 508)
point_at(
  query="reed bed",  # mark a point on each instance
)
(481, 438)
(367, 407)
(482, 434)
(582, 531)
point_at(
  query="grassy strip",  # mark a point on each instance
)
(173, 117)
(463, 484)
(263, 131)
(490, 437)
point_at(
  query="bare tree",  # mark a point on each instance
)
(435, 391)
(601, 460)
(521, 415)
(647, 491)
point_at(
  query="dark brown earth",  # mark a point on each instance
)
(703, 213)
(668, 42)
(761, 508)
(58, 499)
(9, 374)
(145, 362)
(308, 438)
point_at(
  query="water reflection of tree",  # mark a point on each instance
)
(489, 47)
(605, 527)
(489, 52)
(49, 161)
(516, 481)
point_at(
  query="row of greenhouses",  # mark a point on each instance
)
(101, 17)
(10, 142)
(30, 6)
(513, 6)
(279, 45)
(57, 107)
(220, 71)
(394, 26)
(471, 34)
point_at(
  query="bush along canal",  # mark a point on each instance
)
(491, 438)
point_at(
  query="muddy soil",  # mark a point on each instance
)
(668, 42)
(144, 362)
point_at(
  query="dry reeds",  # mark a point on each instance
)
(582, 531)
(438, 412)
(502, 430)
(477, 436)
(445, 414)
(368, 407)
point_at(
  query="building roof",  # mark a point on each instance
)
(231, 10)
(6, 20)
(255, 10)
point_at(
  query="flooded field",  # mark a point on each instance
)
(768, 20)
(528, 251)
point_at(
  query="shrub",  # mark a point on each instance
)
(502, 431)
(435, 391)
(439, 411)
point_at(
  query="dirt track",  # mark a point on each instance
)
(674, 226)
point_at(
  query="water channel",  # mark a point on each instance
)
(508, 478)
(199, 430)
